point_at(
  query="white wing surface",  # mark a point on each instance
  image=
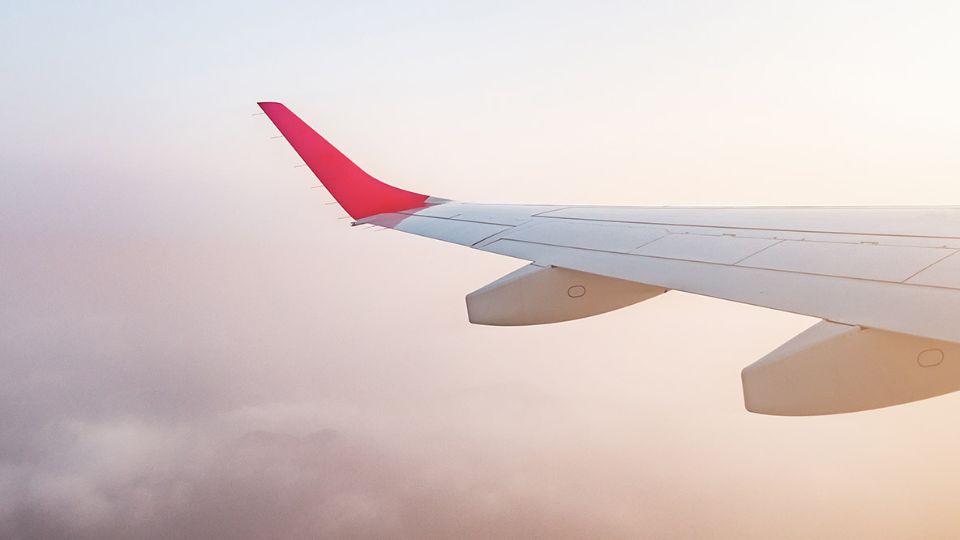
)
(886, 281)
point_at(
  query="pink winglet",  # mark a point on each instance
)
(360, 194)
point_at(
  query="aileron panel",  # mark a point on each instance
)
(861, 261)
(704, 248)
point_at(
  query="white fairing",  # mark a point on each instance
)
(894, 271)
(541, 295)
(834, 368)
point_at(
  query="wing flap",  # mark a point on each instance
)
(705, 248)
(602, 237)
(864, 261)
(944, 273)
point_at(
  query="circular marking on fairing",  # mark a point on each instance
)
(930, 358)
(576, 291)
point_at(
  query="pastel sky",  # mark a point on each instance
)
(193, 345)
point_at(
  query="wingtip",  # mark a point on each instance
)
(360, 194)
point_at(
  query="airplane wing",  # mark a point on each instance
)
(885, 281)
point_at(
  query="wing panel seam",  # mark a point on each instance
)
(727, 265)
(741, 228)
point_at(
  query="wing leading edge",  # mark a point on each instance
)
(886, 279)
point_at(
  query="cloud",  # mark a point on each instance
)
(196, 388)
(144, 398)
(128, 479)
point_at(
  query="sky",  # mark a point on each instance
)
(195, 344)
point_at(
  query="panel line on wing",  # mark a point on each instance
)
(456, 219)
(921, 310)
(739, 227)
(779, 241)
(720, 264)
(931, 265)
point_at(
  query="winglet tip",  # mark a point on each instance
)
(360, 194)
(264, 105)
